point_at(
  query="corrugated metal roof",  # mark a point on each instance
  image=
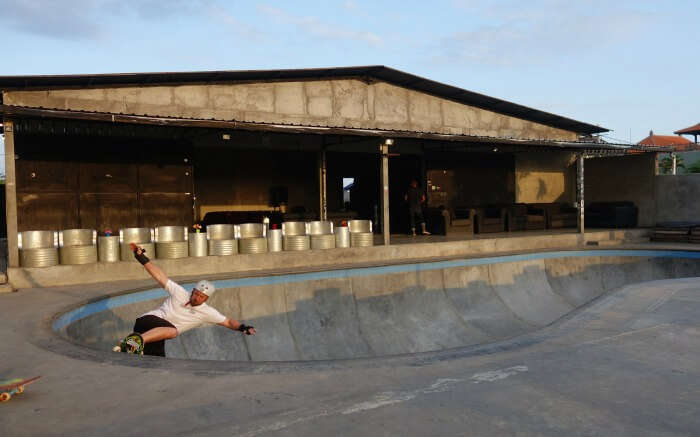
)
(377, 72)
(39, 113)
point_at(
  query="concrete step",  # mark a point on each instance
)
(3, 278)
(623, 242)
(6, 288)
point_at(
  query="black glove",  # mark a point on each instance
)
(140, 257)
(245, 328)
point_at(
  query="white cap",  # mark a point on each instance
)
(205, 287)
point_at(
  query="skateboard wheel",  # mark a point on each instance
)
(20, 390)
(5, 396)
(116, 349)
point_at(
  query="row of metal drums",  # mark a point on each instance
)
(84, 246)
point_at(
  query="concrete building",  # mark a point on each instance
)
(147, 149)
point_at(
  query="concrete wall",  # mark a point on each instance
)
(545, 177)
(623, 178)
(338, 103)
(677, 198)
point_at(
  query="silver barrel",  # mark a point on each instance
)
(77, 237)
(126, 254)
(37, 239)
(197, 244)
(38, 257)
(320, 227)
(251, 230)
(71, 255)
(223, 247)
(171, 249)
(323, 241)
(361, 239)
(360, 226)
(296, 242)
(252, 245)
(342, 236)
(221, 232)
(293, 228)
(135, 235)
(274, 240)
(166, 234)
(108, 248)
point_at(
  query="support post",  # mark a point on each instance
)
(323, 185)
(673, 163)
(11, 194)
(384, 178)
(579, 192)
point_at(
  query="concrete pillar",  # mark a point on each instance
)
(11, 194)
(384, 180)
(323, 185)
(673, 163)
(579, 192)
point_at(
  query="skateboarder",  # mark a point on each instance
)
(181, 311)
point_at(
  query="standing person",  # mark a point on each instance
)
(181, 311)
(415, 198)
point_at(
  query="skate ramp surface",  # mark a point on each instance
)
(388, 310)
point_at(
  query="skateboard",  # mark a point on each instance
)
(13, 387)
(132, 344)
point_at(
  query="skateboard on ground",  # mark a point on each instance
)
(132, 344)
(13, 387)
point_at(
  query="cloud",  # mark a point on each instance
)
(317, 29)
(85, 19)
(545, 31)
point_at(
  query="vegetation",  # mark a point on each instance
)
(666, 164)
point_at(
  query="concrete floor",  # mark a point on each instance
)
(625, 364)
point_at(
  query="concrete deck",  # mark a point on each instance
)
(624, 364)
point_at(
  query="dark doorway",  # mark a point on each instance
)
(402, 169)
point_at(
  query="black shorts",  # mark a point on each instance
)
(146, 323)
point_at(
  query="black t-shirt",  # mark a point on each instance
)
(414, 198)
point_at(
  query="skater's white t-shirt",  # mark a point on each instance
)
(177, 310)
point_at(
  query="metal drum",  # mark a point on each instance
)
(135, 235)
(171, 249)
(274, 240)
(38, 257)
(77, 237)
(320, 228)
(251, 230)
(323, 241)
(361, 239)
(197, 244)
(70, 255)
(108, 248)
(293, 228)
(342, 236)
(360, 226)
(223, 247)
(126, 254)
(252, 245)
(37, 239)
(221, 232)
(296, 242)
(167, 234)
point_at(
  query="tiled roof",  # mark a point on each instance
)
(695, 129)
(673, 142)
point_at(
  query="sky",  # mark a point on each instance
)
(629, 66)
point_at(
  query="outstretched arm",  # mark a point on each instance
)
(152, 269)
(238, 326)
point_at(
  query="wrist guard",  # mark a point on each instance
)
(140, 257)
(245, 328)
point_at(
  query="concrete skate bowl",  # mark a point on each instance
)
(389, 310)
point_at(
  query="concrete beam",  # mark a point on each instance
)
(11, 195)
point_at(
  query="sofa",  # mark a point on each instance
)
(458, 220)
(490, 219)
(524, 217)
